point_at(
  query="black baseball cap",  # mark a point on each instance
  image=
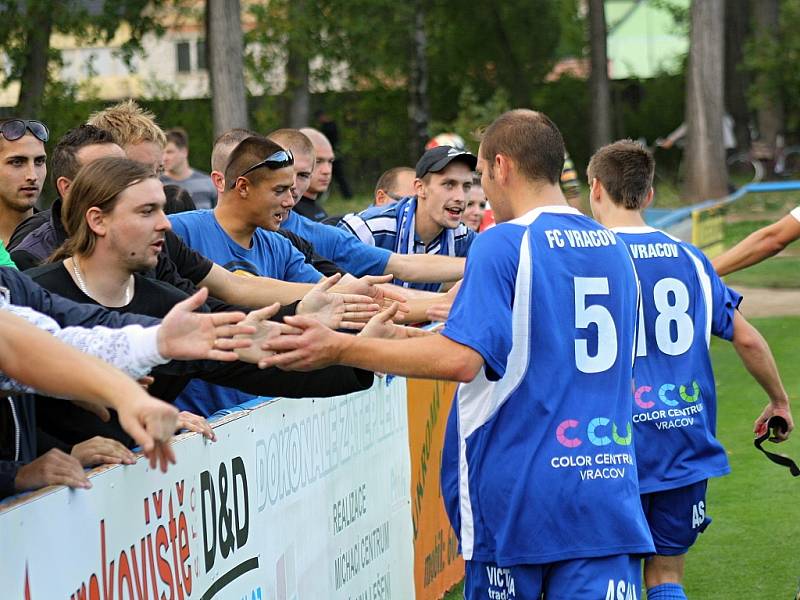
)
(437, 159)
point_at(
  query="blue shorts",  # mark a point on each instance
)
(580, 579)
(676, 517)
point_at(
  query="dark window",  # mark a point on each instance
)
(184, 57)
(201, 55)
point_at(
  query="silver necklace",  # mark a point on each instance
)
(82, 284)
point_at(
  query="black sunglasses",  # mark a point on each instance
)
(279, 160)
(14, 129)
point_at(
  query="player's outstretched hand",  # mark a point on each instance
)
(382, 326)
(187, 335)
(376, 287)
(335, 309)
(264, 330)
(151, 423)
(774, 411)
(315, 347)
(440, 311)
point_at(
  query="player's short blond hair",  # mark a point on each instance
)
(129, 123)
(294, 140)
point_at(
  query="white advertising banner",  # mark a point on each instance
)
(297, 500)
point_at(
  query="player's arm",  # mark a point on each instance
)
(419, 308)
(429, 357)
(255, 292)
(36, 358)
(757, 358)
(425, 268)
(757, 246)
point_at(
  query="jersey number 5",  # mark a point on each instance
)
(588, 314)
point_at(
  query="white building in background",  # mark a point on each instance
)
(172, 65)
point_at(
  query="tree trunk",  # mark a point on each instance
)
(34, 72)
(297, 75)
(226, 64)
(418, 107)
(737, 29)
(770, 110)
(706, 173)
(297, 89)
(598, 81)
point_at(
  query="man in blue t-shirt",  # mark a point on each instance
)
(332, 243)
(239, 235)
(538, 471)
(683, 303)
(429, 222)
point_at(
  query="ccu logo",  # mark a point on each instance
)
(597, 431)
(667, 395)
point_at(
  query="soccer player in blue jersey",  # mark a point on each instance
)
(684, 302)
(538, 472)
(429, 222)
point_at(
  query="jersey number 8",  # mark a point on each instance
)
(669, 312)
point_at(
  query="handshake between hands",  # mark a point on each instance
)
(334, 303)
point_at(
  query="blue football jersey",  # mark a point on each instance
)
(270, 255)
(538, 464)
(684, 302)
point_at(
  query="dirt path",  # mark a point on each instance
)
(768, 302)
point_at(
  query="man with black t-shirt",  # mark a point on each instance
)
(112, 244)
(309, 205)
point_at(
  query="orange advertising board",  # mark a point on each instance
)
(437, 565)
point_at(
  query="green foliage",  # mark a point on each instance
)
(473, 115)
(490, 45)
(574, 30)
(652, 108)
(366, 35)
(195, 117)
(566, 101)
(773, 58)
(373, 132)
(645, 109)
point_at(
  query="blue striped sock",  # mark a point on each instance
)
(666, 591)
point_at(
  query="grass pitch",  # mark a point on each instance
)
(751, 550)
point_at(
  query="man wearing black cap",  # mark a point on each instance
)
(430, 221)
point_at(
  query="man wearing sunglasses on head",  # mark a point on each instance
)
(238, 234)
(22, 171)
(258, 179)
